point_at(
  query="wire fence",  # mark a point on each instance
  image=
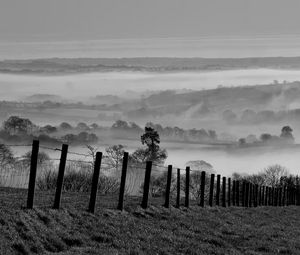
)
(78, 173)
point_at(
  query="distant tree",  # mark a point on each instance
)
(158, 185)
(120, 125)
(242, 141)
(197, 166)
(152, 140)
(251, 139)
(265, 137)
(65, 126)
(48, 129)
(200, 165)
(114, 156)
(15, 125)
(212, 134)
(273, 174)
(6, 156)
(286, 134)
(257, 179)
(82, 126)
(153, 152)
(42, 158)
(94, 126)
(229, 116)
(248, 116)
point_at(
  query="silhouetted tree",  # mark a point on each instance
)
(286, 134)
(15, 125)
(6, 156)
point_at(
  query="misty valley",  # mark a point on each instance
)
(233, 128)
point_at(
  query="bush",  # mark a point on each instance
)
(78, 177)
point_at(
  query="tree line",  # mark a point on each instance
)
(250, 116)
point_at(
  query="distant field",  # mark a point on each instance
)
(71, 230)
(154, 64)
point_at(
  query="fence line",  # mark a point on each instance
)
(230, 191)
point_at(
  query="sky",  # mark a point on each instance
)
(149, 28)
(61, 20)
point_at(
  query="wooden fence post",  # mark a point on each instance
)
(187, 187)
(218, 190)
(123, 181)
(95, 181)
(259, 195)
(280, 197)
(237, 193)
(270, 196)
(224, 192)
(146, 184)
(202, 187)
(266, 195)
(276, 197)
(247, 189)
(233, 192)
(178, 189)
(284, 196)
(262, 195)
(229, 192)
(211, 189)
(298, 195)
(60, 176)
(32, 175)
(250, 194)
(244, 194)
(168, 187)
(256, 195)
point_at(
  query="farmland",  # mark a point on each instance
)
(157, 230)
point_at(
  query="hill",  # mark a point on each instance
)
(155, 64)
(71, 230)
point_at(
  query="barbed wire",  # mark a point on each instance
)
(136, 166)
(17, 145)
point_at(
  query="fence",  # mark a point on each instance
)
(209, 193)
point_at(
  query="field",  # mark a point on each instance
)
(71, 230)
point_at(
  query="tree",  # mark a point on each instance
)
(120, 125)
(42, 158)
(286, 134)
(82, 126)
(273, 174)
(197, 166)
(15, 125)
(152, 140)
(94, 126)
(6, 156)
(242, 141)
(115, 155)
(65, 126)
(266, 138)
(153, 152)
(48, 129)
(229, 116)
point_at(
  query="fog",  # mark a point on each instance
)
(83, 86)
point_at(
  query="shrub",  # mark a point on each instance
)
(78, 177)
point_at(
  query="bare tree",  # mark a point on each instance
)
(6, 156)
(273, 174)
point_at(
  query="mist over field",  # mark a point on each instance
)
(82, 86)
(235, 103)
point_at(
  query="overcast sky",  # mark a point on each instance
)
(43, 20)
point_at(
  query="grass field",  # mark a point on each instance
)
(71, 230)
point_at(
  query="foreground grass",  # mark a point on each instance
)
(71, 230)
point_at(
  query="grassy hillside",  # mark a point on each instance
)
(71, 230)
